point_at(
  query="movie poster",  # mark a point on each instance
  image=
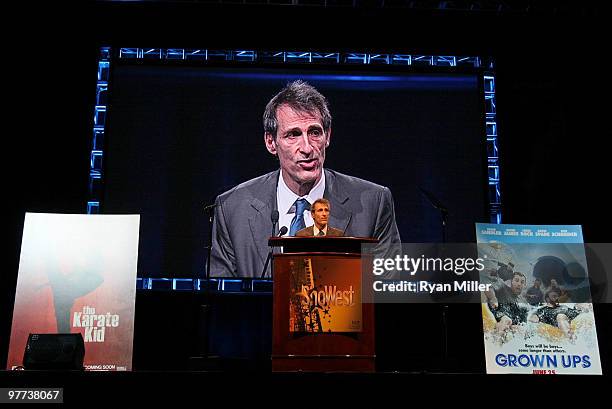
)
(325, 295)
(77, 273)
(537, 311)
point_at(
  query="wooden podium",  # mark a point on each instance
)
(319, 322)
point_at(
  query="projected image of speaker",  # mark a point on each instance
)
(54, 351)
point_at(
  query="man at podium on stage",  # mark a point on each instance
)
(320, 215)
(297, 130)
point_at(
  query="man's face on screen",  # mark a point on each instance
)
(300, 145)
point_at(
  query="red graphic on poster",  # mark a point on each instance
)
(77, 274)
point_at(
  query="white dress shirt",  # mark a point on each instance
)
(316, 230)
(285, 201)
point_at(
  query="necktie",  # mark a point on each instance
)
(298, 223)
(321, 233)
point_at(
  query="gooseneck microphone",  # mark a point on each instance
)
(433, 200)
(274, 218)
(439, 206)
(209, 207)
(282, 232)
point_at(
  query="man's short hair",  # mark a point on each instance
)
(518, 273)
(550, 291)
(323, 201)
(302, 97)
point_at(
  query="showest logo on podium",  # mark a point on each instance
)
(329, 296)
(323, 298)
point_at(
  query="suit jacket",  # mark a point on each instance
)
(242, 224)
(309, 231)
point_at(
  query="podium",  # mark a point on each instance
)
(319, 322)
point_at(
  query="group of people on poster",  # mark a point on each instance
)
(513, 304)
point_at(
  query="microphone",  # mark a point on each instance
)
(274, 218)
(439, 206)
(210, 207)
(282, 231)
(433, 200)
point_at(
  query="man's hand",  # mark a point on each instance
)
(503, 325)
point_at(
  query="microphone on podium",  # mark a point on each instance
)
(282, 232)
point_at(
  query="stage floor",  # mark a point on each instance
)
(86, 388)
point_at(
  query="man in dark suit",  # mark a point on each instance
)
(297, 129)
(320, 215)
